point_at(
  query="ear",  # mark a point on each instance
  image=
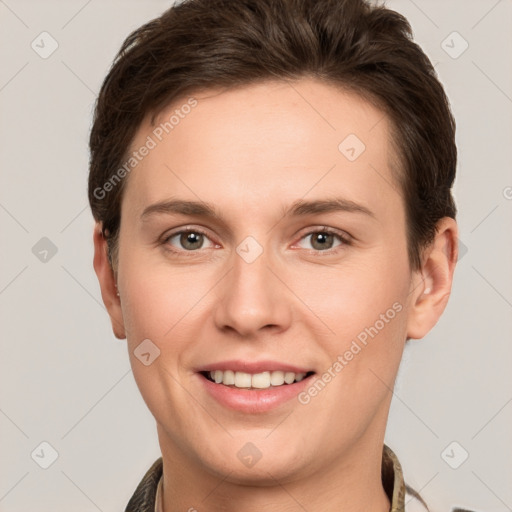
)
(107, 281)
(431, 285)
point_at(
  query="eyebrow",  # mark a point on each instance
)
(297, 209)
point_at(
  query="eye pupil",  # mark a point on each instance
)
(191, 240)
(323, 239)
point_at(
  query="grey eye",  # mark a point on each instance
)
(321, 240)
(188, 240)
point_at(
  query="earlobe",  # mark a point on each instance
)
(107, 281)
(432, 284)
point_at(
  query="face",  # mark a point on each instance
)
(264, 237)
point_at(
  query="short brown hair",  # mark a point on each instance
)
(205, 44)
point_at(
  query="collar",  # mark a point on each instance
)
(393, 480)
(147, 496)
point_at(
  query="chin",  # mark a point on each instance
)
(259, 462)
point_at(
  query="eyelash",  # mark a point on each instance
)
(344, 239)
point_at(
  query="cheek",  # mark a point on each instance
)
(156, 298)
(352, 295)
(365, 309)
(161, 307)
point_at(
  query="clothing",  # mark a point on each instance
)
(144, 498)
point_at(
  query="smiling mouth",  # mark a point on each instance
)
(263, 380)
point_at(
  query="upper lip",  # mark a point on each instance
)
(253, 367)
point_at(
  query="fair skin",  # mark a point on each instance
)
(252, 153)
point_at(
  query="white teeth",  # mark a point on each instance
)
(261, 380)
(277, 378)
(289, 377)
(228, 378)
(258, 380)
(242, 380)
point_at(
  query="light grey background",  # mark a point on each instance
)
(66, 380)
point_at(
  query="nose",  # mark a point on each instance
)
(252, 299)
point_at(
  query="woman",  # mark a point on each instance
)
(271, 186)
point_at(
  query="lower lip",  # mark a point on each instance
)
(254, 400)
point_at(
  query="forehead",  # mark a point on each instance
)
(265, 144)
